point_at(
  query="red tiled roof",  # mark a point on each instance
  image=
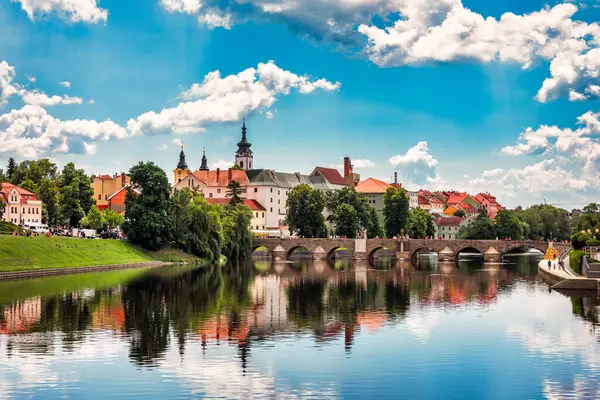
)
(6, 188)
(331, 175)
(450, 221)
(372, 185)
(467, 207)
(209, 178)
(105, 177)
(423, 200)
(396, 185)
(456, 198)
(252, 204)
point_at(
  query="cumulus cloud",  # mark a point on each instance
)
(221, 164)
(37, 98)
(31, 79)
(576, 96)
(7, 87)
(362, 163)
(417, 165)
(413, 32)
(70, 10)
(65, 84)
(226, 99)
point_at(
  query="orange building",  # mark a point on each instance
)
(106, 186)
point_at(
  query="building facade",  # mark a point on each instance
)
(374, 190)
(448, 228)
(20, 205)
(105, 186)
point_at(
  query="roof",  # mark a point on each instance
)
(252, 204)
(467, 208)
(221, 177)
(423, 200)
(456, 198)
(120, 190)
(397, 185)
(449, 221)
(105, 177)
(372, 185)
(332, 175)
(26, 195)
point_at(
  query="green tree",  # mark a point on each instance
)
(334, 201)
(374, 228)
(237, 237)
(29, 185)
(420, 224)
(347, 221)
(10, 168)
(81, 182)
(3, 176)
(204, 236)
(48, 194)
(180, 215)
(236, 167)
(481, 229)
(459, 213)
(395, 211)
(93, 220)
(234, 193)
(34, 170)
(111, 218)
(146, 214)
(508, 225)
(70, 210)
(2, 207)
(305, 207)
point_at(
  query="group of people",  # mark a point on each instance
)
(556, 265)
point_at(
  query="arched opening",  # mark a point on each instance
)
(522, 259)
(339, 253)
(260, 252)
(382, 258)
(424, 258)
(469, 254)
(241, 164)
(299, 253)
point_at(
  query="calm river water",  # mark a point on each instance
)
(300, 330)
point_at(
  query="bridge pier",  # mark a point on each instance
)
(446, 255)
(319, 254)
(360, 249)
(279, 254)
(492, 256)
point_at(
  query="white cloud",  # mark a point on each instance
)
(576, 96)
(178, 142)
(90, 148)
(417, 165)
(30, 78)
(413, 32)
(226, 99)
(65, 84)
(71, 10)
(92, 101)
(31, 131)
(362, 163)
(270, 114)
(37, 98)
(162, 147)
(222, 164)
(7, 88)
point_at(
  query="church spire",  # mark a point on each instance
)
(182, 164)
(204, 166)
(243, 156)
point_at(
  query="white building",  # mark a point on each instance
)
(20, 205)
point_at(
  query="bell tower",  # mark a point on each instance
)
(243, 156)
(182, 169)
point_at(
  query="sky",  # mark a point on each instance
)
(471, 95)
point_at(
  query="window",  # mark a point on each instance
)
(278, 201)
(271, 190)
(256, 216)
(210, 195)
(23, 210)
(255, 190)
(105, 197)
(271, 209)
(443, 228)
(218, 190)
(241, 164)
(443, 236)
(99, 197)
(271, 199)
(263, 215)
(278, 192)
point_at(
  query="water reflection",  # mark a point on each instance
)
(175, 317)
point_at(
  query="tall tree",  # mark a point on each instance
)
(180, 215)
(395, 211)
(237, 237)
(508, 225)
(305, 207)
(10, 168)
(2, 207)
(347, 221)
(70, 210)
(374, 228)
(48, 194)
(420, 224)
(3, 176)
(204, 237)
(72, 176)
(34, 170)
(481, 229)
(147, 220)
(358, 202)
(93, 220)
(234, 193)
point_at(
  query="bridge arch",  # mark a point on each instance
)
(371, 252)
(416, 251)
(291, 250)
(474, 250)
(256, 247)
(536, 246)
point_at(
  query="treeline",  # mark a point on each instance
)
(586, 227)
(67, 195)
(155, 217)
(349, 212)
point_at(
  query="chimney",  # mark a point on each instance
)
(218, 173)
(347, 167)
(395, 177)
(123, 179)
(229, 175)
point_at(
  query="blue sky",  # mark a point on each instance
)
(442, 96)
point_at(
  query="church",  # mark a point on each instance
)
(265, 191)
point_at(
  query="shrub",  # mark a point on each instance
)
(578, 240)
(575, 257)
(7, 228)
(592, 242)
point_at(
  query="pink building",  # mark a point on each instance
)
(489, 203)
(21, 206)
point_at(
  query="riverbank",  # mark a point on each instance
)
(22, 254)
(560, 278)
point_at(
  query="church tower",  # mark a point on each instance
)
(204, 165)
(243, 156)
(182, 169)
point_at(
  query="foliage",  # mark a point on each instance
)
(203, 236)
(420, 224)
(460, 213)
(482, 228)
(395, 211)
(3, 176)
(346, 221)
(93, 219)
(48, 194)
(7, 228)
(374, 229)
(70, 209)
(305, 212)
(10, 167)
(234, 193)
(237, 237)
(34, 170)
(179, 214)
(545, 221)
(575, 260)
(2, 207)
(338, 216)
(77, 178)
(112, 219)
(579, 239)
(236, 167)
(592, 242)
(508, 225)
(146, 214)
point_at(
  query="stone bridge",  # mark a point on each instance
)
(447, 250)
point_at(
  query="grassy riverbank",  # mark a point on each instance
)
(38, 253)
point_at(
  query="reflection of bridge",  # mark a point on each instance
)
(447, 250)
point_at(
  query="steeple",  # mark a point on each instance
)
(204, 165)
(243, 156)
(182, 164)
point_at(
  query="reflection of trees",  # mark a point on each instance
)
(305, 302)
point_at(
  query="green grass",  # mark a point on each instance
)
(38, 253)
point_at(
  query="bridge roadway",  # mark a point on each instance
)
(405, 249)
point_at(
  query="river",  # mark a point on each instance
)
(303, 329)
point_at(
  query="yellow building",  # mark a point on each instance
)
(182, 169)
(105, 186)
